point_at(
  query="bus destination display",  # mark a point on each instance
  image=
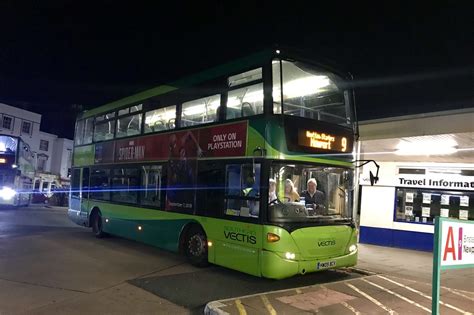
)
(324, 141)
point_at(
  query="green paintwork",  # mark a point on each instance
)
(234, 66)
(84, 156)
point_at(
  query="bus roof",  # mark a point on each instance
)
(227, 68)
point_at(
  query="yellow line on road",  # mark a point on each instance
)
(350, 308)
(240, 307)
(424, 295)
(398, 295)
(371, 299)
(268, 305)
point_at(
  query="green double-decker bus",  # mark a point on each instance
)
(246, 165)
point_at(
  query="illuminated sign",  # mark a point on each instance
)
(324, 141)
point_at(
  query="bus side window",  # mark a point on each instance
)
(85, 182)
(75, 182)
(210, 190)
(152, 185)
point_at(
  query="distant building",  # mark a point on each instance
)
(52, 156)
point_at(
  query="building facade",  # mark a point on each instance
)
(51, 156)
(426, 170)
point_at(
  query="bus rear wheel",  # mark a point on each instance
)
(97, 225)
(196, 247)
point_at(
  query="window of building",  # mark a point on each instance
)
(243, 102)
(26, 127)
(160, 119)
(100, 185)
(7, 122)
(41, 160)
(44, 145)
(129, 125)
(242, 185)
(151, 188)
(125, 184)
(416, 205)
(200, 111)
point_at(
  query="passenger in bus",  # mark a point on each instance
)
(290, 192)
(312, 196)
(272, 190)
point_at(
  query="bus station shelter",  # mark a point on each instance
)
(426, 170)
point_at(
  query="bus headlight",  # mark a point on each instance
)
(352, 248)
(7, 193)
(290, 256)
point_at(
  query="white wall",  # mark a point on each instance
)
(378, 201)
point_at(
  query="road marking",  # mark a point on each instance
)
(298, 291)
(350, 308)
(240, 307)
(398, 295)
(268, 305)
(368, 297)
(458, 293)
(424, 295)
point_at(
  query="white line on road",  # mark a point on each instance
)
(349, 307)
(458, 293)
(398, 295)
(424, 295)
(390, 311)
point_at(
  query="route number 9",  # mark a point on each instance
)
(344, 144)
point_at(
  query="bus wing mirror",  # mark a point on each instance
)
(373, 179)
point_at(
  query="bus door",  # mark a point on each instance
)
(240, 243)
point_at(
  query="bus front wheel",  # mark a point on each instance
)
(196, 247)
(97, 225)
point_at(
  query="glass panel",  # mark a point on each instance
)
(300, 193)
(136, 108)
(78, 135)
(276, 86)
(151, 185)
(75, 182)
(248, 76)
(100, 187)
(88, 130)
(125, 183)
(104, 130)
(423, 205)
(311, 93)
(124, 111)
(160, 119)
(129, 125)
(200, 111)
(243, 190)
(247, 101)
(110, 115)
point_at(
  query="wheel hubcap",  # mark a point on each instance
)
(196, 245)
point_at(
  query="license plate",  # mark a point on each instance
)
(326, 264)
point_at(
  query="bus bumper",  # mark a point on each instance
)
(78, 217)
(276, 267)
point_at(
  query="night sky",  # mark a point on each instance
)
(58, 57)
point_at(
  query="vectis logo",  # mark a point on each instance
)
(323, 243)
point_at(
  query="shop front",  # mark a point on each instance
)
(426, 171)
